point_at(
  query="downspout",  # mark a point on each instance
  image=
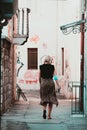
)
(82, 65)
(82, 58)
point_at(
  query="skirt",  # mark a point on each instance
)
(47, 92)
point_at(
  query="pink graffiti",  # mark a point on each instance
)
(44, 45)
(28, 74)
(31, 81)
(21, 81)
(34, 39)
(28, 81)
(31, 77)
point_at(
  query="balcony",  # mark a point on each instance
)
(21, 26)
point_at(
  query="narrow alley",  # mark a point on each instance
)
(30, 31)
(27, 115)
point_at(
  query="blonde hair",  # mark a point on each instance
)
(48, 60)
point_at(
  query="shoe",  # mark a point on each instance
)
(44, 114)
(49, 118)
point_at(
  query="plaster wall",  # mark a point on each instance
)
(45, 19)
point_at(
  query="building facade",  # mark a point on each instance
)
(9, 36)
(46, 38)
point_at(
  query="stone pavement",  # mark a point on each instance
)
(28, 116)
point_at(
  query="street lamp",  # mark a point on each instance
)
(74, 27)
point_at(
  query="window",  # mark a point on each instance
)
(62, 61)
(32, 58)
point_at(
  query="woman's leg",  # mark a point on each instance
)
(44, 110)
(50, 106)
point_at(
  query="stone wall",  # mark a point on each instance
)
(7, 79)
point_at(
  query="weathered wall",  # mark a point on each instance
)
(46, 17)
(7, 87)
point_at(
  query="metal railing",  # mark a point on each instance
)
(77, 100)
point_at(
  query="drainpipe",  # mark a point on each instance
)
(82, 65)
(83, 5)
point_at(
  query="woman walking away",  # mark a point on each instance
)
(47, 87)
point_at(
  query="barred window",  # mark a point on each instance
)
(32, 58)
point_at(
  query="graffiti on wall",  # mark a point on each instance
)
(30, 76)
(44, 45)
(20, 63)
(34, 39)
(64, 81)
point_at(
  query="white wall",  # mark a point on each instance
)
(69, 11)
(45, 19)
